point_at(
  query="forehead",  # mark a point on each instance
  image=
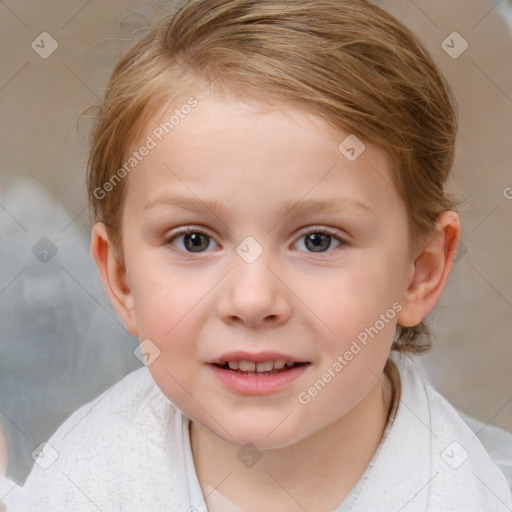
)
(255, 156)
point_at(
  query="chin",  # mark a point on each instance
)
(265, 435)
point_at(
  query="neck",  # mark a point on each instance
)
(328, 463)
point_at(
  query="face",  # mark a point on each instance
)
(250, 237)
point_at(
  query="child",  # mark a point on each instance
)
(267, 180)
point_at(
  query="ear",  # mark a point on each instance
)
(114, 277)
(430, 270)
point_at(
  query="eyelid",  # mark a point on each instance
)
(335, 233)
(188, 229)
(303, 232)
(323, 229)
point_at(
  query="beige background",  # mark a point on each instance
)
(42, 136)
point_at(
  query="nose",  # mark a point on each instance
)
(254, 294)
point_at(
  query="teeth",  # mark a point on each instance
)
(247, 366)
(263, 367)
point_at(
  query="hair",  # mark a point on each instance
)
(347, 61)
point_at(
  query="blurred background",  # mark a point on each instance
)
(61, 343)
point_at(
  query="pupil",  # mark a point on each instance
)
(197, 243)
(319, 240)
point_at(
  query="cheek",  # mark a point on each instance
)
(354, 298)
(169, 314)
(162, 294)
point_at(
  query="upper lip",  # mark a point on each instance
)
(256, 357)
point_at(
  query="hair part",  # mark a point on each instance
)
(347, 61)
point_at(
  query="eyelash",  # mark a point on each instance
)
(314, 229)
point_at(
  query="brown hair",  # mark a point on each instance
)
(347, 61)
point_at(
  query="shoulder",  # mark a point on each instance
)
(431, 407)
(132, 404)
(125, 401)
(464, 468)
(102, 456)
(434, 408)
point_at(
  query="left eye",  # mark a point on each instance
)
(193, 241)
(320, 240)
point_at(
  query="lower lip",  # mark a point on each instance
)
(258, 384)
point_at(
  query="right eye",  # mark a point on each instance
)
(193, 241)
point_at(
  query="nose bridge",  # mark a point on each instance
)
(254, 293)
(252, 277)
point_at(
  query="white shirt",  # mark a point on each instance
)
(129, 450)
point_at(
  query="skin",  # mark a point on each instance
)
(311, 304)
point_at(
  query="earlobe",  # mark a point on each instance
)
(113, 276)
(430, 270)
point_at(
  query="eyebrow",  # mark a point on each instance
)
(299, 207)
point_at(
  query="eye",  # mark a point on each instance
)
(193, 241)
(320, 240)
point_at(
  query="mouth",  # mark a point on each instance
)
(249, 373)
(260, 368)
